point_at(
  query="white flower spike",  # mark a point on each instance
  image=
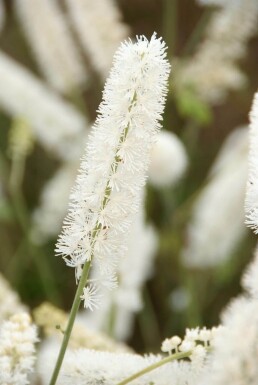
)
(108, 189)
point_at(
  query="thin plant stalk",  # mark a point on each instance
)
(68, 331)
(156, 365)
(197, 32)
(170, 13)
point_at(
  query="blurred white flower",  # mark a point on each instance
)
(55, 51)
(219, 207)
(55, 123)
(251, 201)
(235, 347)
(212, 71)
(168, 160)
(100, 29)
(108, 189)
(179, 299)
(17, 352)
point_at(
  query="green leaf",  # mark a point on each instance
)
(190, 106)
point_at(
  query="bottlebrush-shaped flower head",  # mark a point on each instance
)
(108, 188)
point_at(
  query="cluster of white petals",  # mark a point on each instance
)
(235, 347)
(212, 72)
(196, 341)
(168, 160)
(251, 201)
(218, 209)
(9, 300)
(100, 30)
(87, 367)
(17, 351)
(48, 34)
(55, 123)
(108, 189)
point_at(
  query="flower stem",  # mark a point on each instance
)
(67, 333)
(156, 365)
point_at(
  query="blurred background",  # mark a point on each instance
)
(189, 245)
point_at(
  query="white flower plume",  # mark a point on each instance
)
(55, 123)
(251, 201)
(104, 31)
(217, 209)
(108, 189)
(213, 70)
(55, 51)
(235, 348)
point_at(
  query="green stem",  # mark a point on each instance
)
(170, 12)
(156, 365)
(197, 32)
(17, 172)
(68, 331)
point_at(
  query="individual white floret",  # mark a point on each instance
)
(235, 347)
(219, 207)
(170, 344)
(90, 297)
(251, 201)
(55, 51)
(55, 123)
(107, 193)
(168, 160)
(100, 29)
(192, 334)
(17, 352)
